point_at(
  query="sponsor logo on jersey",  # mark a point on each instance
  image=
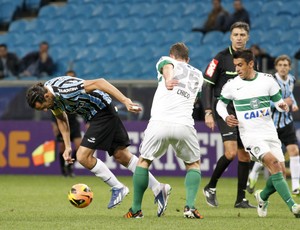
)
(212, 67)
(68, 90)
(257, 113)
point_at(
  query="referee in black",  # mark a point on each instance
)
(217, 73)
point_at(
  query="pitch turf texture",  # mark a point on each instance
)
(40, 202)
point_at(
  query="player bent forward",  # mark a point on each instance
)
(251, 93)
(91, 99)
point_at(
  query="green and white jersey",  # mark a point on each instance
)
(251, 99)
(176, 105)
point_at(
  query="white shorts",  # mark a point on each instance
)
(257, 148)
(159, 135)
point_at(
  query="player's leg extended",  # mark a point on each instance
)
(279, 183)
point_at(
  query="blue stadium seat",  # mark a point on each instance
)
(271, 37)
(17, 26)
(50, 12)
(281, 22)
(7, 11)
(291, 36)
(272, 7)
(255, 36)
(295, 24)
(262, 21)
(212, 38)
(192, 38)
(32, 4)
(275, 51)
(253, 8)
(291, 8)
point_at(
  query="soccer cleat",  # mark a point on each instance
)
(117, 196)
(244, 204)
(210, 195)
(296, 210)
(162, 198)
(296, 192)
(130, 214)
(192, 213)
(251, 185)
(262, 205)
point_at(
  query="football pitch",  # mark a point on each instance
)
(40, 202)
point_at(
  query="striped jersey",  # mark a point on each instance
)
(281, 119)
(251, 99)
(176, 105)
(70, 96)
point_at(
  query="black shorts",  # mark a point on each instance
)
(287, 134)
(228, 133)
(106, 132)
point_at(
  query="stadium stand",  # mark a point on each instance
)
(134, 32)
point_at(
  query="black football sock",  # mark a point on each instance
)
(243, 172)
(221, 166)
(62, 164)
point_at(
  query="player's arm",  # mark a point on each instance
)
(105, 86)
(64, 128)
(222, 111)
(276, 97)
(168, 73)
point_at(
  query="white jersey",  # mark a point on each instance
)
(251, 99)
(176, 105)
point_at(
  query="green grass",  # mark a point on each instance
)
(40, 202)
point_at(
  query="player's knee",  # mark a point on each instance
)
(230, 154)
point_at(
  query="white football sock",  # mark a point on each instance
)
(154, 184)
(103, 172)
(295, 171)
(255, 171)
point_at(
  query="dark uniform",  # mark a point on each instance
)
(217, 73)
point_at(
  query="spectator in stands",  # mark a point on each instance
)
(37, 63)
(240, 14)
(217, 19)
(9, 63)
(264, 61)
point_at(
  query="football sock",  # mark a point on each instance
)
(140, 184)
(282, 188)
(295, 171)
(102, 171)
(154, 184)
(222, 165)
(62, 163)
(243, 171)
(192, 183)
(268, 190)
(255, 171)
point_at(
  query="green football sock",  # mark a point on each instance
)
(268, 190)
(140, 184)
(283, 189)
(192, 183)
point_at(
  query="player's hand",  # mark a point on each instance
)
(209, 121)
(284, 106)
(67, 156)
(231, 121)
(132, 107)
(295, 108)
(289, 101)
(170, 84)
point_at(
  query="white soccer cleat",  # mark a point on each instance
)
(296, 210)
(262, 205)
(117, 196)
(162, 198)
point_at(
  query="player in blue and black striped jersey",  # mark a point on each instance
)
(91, 99)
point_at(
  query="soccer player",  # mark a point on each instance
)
(217, 73)
(251, 93)
(284, 124)
(172, 124)
(91, 99)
